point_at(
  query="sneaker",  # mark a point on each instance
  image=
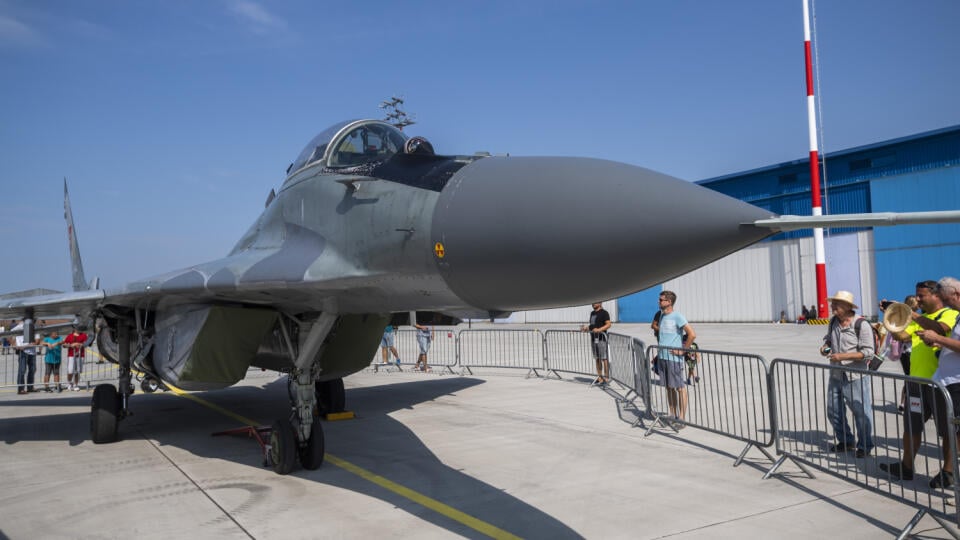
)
(47, 389)
(76, 388)
(397, 362)
(841, 447)
(943, 479)
(897, 470)
(59, 389)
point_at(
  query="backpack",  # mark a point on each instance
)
(874, 363)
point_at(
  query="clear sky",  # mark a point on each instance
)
(172, 120)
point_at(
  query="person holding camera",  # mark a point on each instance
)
(851, 347)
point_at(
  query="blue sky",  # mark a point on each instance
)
(172, 120)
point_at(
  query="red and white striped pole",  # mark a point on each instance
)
(821, 259)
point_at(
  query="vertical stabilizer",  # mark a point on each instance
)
(79, 280)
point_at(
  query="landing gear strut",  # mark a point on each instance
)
(301, 435)
(109, 405)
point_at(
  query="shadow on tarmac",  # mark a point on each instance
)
(373, 441)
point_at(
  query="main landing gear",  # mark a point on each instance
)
(109, 405)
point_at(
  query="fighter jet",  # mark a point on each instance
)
(369, 223)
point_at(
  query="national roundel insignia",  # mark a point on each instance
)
(438, 249)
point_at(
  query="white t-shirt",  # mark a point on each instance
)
(948, 369)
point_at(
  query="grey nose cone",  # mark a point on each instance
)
(540, 232)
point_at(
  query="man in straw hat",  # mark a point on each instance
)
(849, 345)
(921, 402)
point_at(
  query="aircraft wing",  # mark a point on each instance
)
(50, 305)
(792, 223)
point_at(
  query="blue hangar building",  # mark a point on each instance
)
(910, 174)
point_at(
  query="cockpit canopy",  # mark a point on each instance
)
(351, 143)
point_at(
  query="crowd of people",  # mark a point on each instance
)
(927, 346)
(50, 347)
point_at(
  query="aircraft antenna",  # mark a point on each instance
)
(394, 114)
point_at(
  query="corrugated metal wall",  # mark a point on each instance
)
(575, 314)
(906, 255)
(757, 283)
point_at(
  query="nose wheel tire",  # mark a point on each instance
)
(283, 446)
(311, 454)
(104, 414)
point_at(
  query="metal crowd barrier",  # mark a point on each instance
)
(568, 351)
(495, 348)
(95, 370)
(442, 353)
(727, 393)
(805, 433)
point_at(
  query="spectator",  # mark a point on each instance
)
(813, 314)
(849, 344)
(921, 401)
(76, 351)
(387, 343)
(670, 357)
(424, 337)
(51, 361)
(27, 357)
(948, 374)
(599, 324)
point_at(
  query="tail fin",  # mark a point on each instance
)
(79, 280)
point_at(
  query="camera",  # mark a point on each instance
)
(826, 350)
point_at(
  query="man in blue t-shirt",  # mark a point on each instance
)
(672, 327)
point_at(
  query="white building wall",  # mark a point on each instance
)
(757, 283)
(575, 314)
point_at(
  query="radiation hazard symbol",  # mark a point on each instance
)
(438, 249)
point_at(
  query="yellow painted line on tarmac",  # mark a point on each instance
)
(427, 502)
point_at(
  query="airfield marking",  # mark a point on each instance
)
(428, 502)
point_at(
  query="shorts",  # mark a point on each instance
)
(424, 343)
(673, 373)
(923, 402)
(387, 340)
(905, 362)
(599, 347)
(51, 369)
(74, 365)
(954, 391)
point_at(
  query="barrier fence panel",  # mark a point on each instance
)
(95, 370)
(725, 393)
(8, 367)
(620, 353)
(809, 414)
(569, 351)
(501, 349)
(641, 377)
(443, 347)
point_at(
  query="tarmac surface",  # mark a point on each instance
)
(494, 454)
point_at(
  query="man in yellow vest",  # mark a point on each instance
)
(923, 363)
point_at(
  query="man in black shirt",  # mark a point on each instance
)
(599, 324)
